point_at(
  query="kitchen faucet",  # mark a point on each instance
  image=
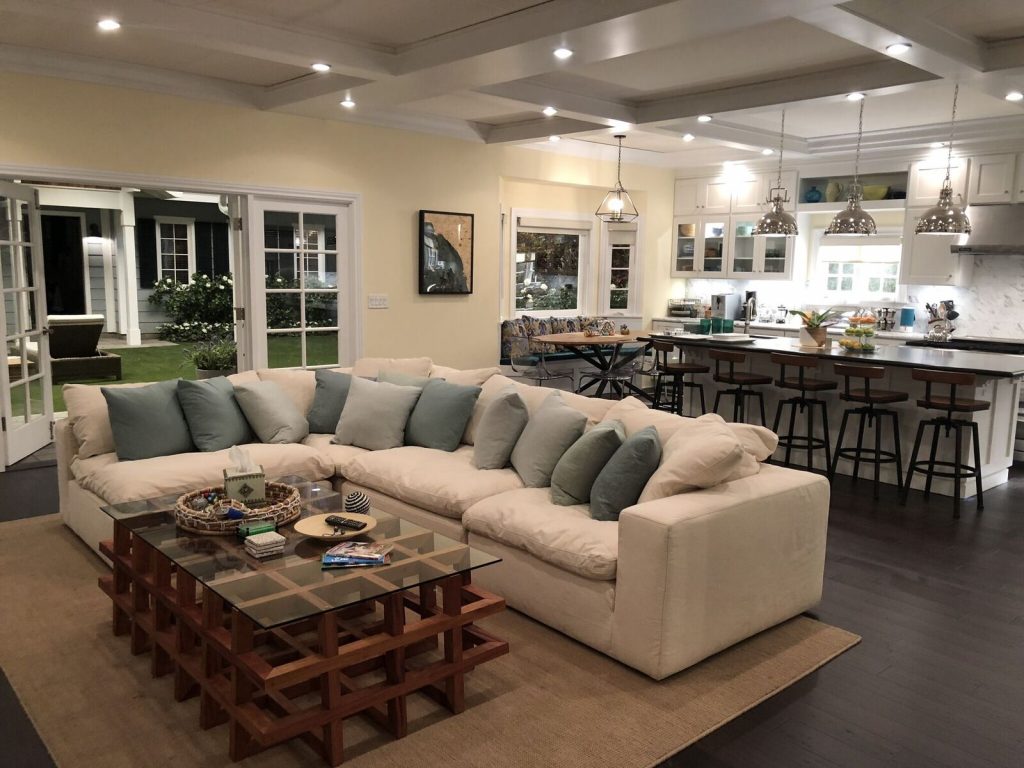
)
(748, 310)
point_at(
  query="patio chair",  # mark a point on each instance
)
(73, 351)
(530, 364)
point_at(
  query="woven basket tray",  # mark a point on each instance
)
(282, 506)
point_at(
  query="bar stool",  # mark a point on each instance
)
(677, 372)
(872, 415)
(950, 404)
(741, 382)
(802, 384)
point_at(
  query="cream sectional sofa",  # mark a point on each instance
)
(672, 582)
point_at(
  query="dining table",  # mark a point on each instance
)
(606, 354)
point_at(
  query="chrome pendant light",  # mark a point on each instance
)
(946, 217)
(617, 206)
(854, 220)
(776, 221)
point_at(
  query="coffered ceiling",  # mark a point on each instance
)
(483, 70)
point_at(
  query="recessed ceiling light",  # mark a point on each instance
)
(321, 67)
(1015, 96)
(109, 25)
(550, 111)
(553, 139)
(897, 49)
(766, 151)
(562, 53)
(347, 102)
(703, 118)
(855, 96)
(937, 145)
(688, 137)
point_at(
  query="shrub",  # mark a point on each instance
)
(212, 355)
(200, 310)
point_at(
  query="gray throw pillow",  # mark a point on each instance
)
(579, 466)
(375, 414)
(328, 401)
(147, 421)
(271, 413)
(403, 379)
(501, 424)
(549, 433)
(214, 418)
(441, 415)
(623, 478)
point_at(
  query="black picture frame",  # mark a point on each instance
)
(446, 267)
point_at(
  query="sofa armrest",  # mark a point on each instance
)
(67, 447)
(701, 571)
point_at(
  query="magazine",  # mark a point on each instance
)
(356, 554)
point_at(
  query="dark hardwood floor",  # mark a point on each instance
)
(938, 680)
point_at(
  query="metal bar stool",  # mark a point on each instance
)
(872, 415)
(950, 404)
(741, 381)
(677, 373)
(803, 384)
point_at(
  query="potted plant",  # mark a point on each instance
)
(216, 357)
(815, 328)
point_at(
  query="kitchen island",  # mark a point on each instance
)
(998, 381)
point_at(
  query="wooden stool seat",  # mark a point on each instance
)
(683, 368)
(877, 396)
(744, 378)
(807, 385)
(740, 381)
(960, 405)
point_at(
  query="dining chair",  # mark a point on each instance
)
(527, 363)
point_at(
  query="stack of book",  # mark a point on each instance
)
(265, 544)
(356, 554)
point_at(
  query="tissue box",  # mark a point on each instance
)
(248, 488)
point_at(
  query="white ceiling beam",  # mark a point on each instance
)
(733, 135)
(311, 86)
(576, 105)
(531, 130)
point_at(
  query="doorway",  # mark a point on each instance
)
(64, 263)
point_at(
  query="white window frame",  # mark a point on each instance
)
(191, 234)
(556, 222)
(885, 236)
(609, 235)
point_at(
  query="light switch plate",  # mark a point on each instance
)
(377, 301)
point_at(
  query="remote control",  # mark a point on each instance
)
(344, 522)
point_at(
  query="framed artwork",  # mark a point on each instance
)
(446, 252)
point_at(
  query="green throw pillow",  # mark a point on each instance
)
(271, 413)
(623, 478)
(375, 415)
(147, 421)
(501, 424)
(579, 466)
(328, 401)
(549, 433)
(214, 418)
(441, 415)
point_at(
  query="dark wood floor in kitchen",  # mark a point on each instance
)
(938, 680)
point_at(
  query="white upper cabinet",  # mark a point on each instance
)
(991, 179)
(748, 196)
(686, 197)
(926, 179)
(927, 260)
(713, 196)
(1019, 198)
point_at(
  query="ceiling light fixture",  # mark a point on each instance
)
(946, 217)
(703, 118)
(855, 96)
(1015, 96)
(550, 111)
(563, 53)
(766, 151)
(776, 221)
(553, 139)
(854, 220)
(320, 67)
(109, 25)
(897, 49)
(688, 137)
(937, 145)
(617, 206)
(347, 102)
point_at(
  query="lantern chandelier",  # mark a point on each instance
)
(617, 206)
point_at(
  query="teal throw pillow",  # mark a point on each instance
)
(328, 401)
(271, 413)
(501, 424)
(623, 478)
(214, 418)
(549, 433)
(441, 415)
(147, 421)
(579, 466)
(375, 415)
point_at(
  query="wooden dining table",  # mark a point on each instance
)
(605, 353)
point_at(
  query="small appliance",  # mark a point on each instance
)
(685, 308)
(725, 305)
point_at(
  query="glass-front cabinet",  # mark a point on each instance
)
(743, 263)
(758, 258)
(701, 246)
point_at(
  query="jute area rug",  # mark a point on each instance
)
(550, 702)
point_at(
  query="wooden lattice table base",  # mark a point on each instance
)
(300, 680)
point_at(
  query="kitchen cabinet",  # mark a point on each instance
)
(926, 179)
(991, 179)
(926, 259)
(686, 197)
(758, 258)
(752, 196)
(1019, 197)
(713, 196)
(701, 246)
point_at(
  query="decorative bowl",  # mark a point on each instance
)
(875, 192)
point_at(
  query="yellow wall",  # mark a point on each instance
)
(51, 123)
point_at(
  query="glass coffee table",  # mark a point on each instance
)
(279, 648)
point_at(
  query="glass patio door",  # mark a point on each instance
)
(26, 397)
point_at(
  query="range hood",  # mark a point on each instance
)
(997, 230)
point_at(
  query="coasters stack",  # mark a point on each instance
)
(262, 545)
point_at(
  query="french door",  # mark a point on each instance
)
(26, 397)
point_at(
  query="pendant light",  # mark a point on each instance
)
(854, 220)
(617, 206)
(776, 221)
(946, 217)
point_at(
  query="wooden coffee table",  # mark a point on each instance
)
(258, 641)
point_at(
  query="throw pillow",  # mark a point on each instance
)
(579, 466)
(147, 421)
(375, 414)
(271, 413)
(328, 401)
(548, 434)
(402, 379)
(623, 478)
(498, 430)
(474, 377)
(370, 367)
(441, 415)
(214, 418)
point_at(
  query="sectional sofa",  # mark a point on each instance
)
(672, 582)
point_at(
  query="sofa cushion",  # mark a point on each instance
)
(147, 421)
(474, 377)
(273, 416)
(214, 418)
(370, 367)
(375, 414)
(624, 476)
(121, 481)
(329, 398)
(339, 455)
(498, 432)
(441, 482)
(548, 434)
(298, 384)
(566, 537)
(440, 415)
(579, 466)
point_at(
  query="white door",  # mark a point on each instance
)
(26, 396)
(302, 284)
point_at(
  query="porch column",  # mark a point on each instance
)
(128, 274)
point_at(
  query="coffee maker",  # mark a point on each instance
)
(725, 305)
